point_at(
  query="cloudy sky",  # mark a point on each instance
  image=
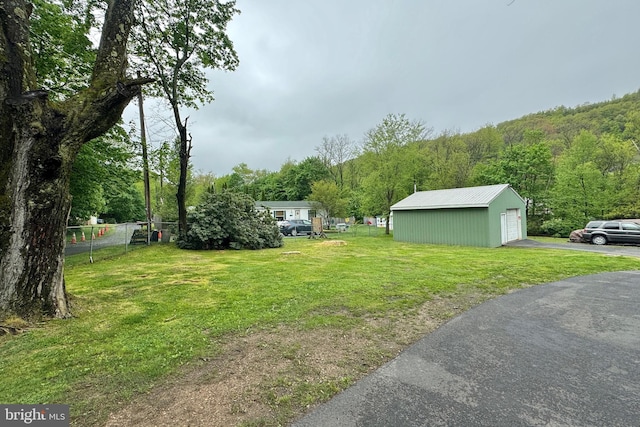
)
(317, 68)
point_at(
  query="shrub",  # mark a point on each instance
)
(559, 227)
(534, 226)
(230, 220)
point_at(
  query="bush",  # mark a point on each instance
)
(534, 226)
(559, 227)
(230, 220)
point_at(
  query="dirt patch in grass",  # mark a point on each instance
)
(333, 243)
(271, 377)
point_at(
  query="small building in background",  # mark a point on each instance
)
(282, 211)
(486, 216)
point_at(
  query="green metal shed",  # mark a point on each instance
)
(486, 216)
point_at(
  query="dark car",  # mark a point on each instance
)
(293, 227)
(603, 232)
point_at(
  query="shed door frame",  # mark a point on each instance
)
(503, 227)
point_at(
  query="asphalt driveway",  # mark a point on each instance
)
(561, 354)
(624, 250)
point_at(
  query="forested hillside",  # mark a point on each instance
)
(574, 164)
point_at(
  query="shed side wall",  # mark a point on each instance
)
(465, 227)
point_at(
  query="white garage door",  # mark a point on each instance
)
(513, 224)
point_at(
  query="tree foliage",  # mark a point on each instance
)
(390, 156)
(63, 51)
(175, 41)
(166, 175)
(86, 185)
(527, 168)
(299, 178)
(326, 198)
(335, 152)
(230, 220)
(447, 163)
(103, 180)
(596, 178)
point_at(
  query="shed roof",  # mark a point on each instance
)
(469, 197)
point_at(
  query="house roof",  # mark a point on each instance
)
(302, 204)
(469, 197)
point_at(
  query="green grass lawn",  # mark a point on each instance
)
(142, 315)
(548, 239)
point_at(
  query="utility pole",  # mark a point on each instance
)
(145, 166)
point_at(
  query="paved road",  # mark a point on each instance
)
(561, 354)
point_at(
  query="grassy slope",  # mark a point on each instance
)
(141, 316)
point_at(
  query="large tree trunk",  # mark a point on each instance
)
(39, 141)
(36, 184)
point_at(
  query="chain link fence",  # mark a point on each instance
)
(114, 239)
(361, 230)
(102, 241)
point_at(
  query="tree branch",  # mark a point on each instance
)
(111, 59)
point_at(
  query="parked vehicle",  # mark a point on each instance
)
(603, 232)
(293, 227)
